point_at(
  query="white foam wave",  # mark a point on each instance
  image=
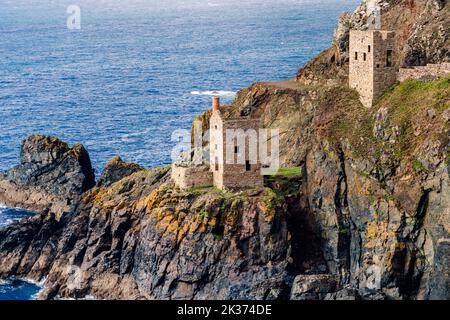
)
(4, 206)
(9, 282)
(214, 93)
(36, 283)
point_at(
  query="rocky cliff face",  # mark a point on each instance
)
(142, 238)
(368, 218)
(422, 28)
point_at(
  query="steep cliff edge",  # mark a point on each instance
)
(367, 219)
(376, 180)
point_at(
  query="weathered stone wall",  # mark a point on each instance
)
(236, 177)
(384, 76)
(189, 177)
(369, 73)
(360, 71)
(428, 72)
(219, 173)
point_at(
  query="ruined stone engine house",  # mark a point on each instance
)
(244, 169)
(373, 68)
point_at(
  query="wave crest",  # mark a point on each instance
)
(214, 93)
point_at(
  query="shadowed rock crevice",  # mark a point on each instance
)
(411, 260)
(343, 220)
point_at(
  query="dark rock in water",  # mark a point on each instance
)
(51, 175)
(22, 244)
(116, 169)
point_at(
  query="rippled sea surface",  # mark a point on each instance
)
(14, 289)
(138, 70)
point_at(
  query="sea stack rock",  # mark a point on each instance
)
(50, 176)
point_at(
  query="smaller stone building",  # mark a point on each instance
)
(372, 67)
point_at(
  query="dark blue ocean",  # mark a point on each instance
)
(140, 69)
(15, 289)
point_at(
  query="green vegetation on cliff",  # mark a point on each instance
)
(403, 118)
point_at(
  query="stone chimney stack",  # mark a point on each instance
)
(215, 103)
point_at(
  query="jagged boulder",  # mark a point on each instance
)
(116, 169)
(313, 287)
(27, 247)
(50, 176)
(355, 294)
